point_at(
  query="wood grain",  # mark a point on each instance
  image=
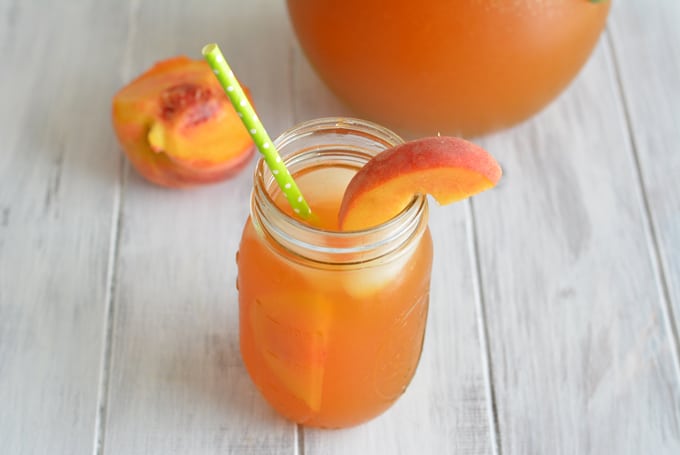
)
(645, 46)
(177, 384)
(555, 309)
(58, 174)
(446, 407)
(580, 358)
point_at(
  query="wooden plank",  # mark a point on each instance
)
(178, 385)
(645, 45)
(58, 190)
(446, 408)
(581, 360)
(311, 98)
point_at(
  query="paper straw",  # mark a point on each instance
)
(264, 144)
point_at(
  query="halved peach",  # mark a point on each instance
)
(450, 169)
(177, 126)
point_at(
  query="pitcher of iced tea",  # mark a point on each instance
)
(461, 67)
(331, 323)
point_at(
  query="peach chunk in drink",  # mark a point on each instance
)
(290, 331)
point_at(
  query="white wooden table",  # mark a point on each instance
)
(556, 297)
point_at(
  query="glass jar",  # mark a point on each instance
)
(331, 323)
(460, 67)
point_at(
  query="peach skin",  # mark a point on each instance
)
(450, 169)
(178, 128)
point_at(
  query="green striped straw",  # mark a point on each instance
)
(264, 144)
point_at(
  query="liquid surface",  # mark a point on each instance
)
(323, 188)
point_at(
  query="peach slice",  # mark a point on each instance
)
(291, 331)
(450, 169)
(177, 126)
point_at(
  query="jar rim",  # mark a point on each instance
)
(292, 230)
(338, 124)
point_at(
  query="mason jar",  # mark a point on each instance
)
(331, 322)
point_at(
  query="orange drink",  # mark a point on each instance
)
(461, 67)
(331, 323)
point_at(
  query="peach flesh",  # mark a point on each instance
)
(177, 126)
(450, 169)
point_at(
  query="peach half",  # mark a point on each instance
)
(448, 168)
(177, 126)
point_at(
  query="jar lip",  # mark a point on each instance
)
(411, 210)
(332, 141)
(349, 125)
(329, 124)
(414, 206)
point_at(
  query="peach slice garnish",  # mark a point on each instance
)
(448, 168)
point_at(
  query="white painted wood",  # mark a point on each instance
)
(575, 274)
(646, 47)
(58, 174)
(311, 98)
(445, 408)
(581, 360)
(178, 385)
